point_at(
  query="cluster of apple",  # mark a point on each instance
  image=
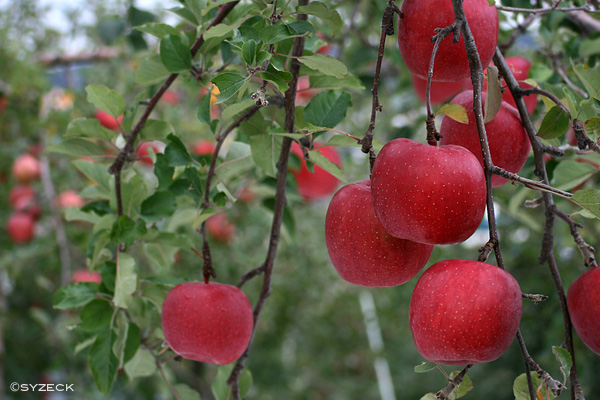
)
(26, 209)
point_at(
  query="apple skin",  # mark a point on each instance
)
(319, 183)
(84, 275)
(207, 322)
(583, 300)
(220, 228)
(69, 198)
(20, 227)
(142, 152)
(361, 251)
(203, 147)
(416, 27)
(520, 68)
(507, 139)
(303, 92)
(440, 91)
(26, 168)
(428, 194)
(107, 120)
(21, 197)
(464, 312)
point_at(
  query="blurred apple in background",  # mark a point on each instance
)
(220, 228)
(26, 168)
(20, 227)
(142, 151)
(170, 97)
(84, 275)
(203, 147)
(69, 198)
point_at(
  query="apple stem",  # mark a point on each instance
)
(445, 393)
(387, 28)
(587, 251)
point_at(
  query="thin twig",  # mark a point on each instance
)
(530, 183)
(445, 393)
(541, 11)
(587, 251)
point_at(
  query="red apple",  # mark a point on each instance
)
(416, 27)
(246, 195)
(3, 103)
(303, 92)
(319, 183)
(440, 91)
(21, 197)
(220, 228)
(170, 97)
(207, 322)
(84, 275)
(20, 227)
(69, 198)
(26, 168)
(507, 139)
(583, 300)
(428, 194)
(203, 147)
(361, 251)
(142, 152)
(464, 312)
(108, 121)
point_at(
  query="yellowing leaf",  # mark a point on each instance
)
(454, 111)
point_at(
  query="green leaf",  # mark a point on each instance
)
(429, 396)
(151, 71)
(265, 152)
(222, 30)
(465, 386)
(75, 295)
(141, 365)
(300, 27)
(318, 159)
(570, 173)
(88, 128)
(76, 214)
(185, 13)
(197, 7)
(186, 393)
(590, 77)
(343, 140)
(274, 33)
(198, 184)
(103, 362)
(425, 366)
(176, 152)
(203, 216)
(320, 10)
(540, 72)
(232, 112)
(96, 315)
(97, 251)
(76, 147)
(493, 99)
(161, 204)
(327, 82)
(249, 52)
(203, 113)
(133, 192)
(96, 172)
(554, 124)
(588, 199)
(589, 47)
(328, 108)
(125, 230)
(127, 340)
(279, 78)
(157, 29)
(566, 361)
(107, 100)
(454, 111)
(175, 56)
(126, 280)
(521, 390)
(222, 391)
(228, 83)
(325, 64)
(163, 172)
(156, 130)
(238, 161)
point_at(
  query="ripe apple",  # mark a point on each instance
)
(416, 27)
(520, 68)
(464, 312)
(26, 168)
(319, 183)
(361, 251)
(220, 228)
(170, 97)
(428, 194)
(84, 275)
(508, 140)
(440, 91)
(203, 147)
(107, 120)
(69, 198)
(207, 322)
(303, 92)
(142, 152)
(20, 227)
(21, 197)
(583, 300)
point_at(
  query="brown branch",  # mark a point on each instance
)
(536, 298)
(387, 28)
(587, 251)
(547, 253)
(530, 183)
(445, 393)
(251, 274)
(541, 11)
(280, 202)
(583, 140)
(126, 153)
